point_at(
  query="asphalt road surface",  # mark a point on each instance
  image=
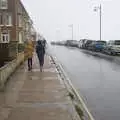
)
(97, 80)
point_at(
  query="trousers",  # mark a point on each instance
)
(30, 63)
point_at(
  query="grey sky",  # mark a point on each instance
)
(52, 17)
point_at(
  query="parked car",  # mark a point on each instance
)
(97, 45)
(112, 47)
(87, 43)
(90, 46)
(81, 43)
(53, 43)
(72, 43)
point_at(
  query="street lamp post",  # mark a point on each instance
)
(72, 29)
(100, 13)
(57, 34)
(100, 22)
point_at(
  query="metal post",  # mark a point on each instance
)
(71, 26)
(78, 32)
(57, 34)
(72, 31)
(100, 22)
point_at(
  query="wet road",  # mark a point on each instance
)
(97, 79)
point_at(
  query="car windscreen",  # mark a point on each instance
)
(101, 42)
(89, 41)
(117, 42)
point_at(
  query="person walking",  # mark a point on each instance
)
(29, 49)
(40, 50)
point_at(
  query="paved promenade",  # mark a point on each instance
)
(36, 96)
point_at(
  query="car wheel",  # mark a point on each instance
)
(113, 53)
(95, 49)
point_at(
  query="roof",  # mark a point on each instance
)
(25, 10)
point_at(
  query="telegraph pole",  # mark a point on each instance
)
(72, 30)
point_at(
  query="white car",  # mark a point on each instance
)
(113, 47)
(81, 43)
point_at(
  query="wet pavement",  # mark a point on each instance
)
(36, 96)
(96, 79)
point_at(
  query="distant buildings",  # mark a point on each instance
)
(15, 27)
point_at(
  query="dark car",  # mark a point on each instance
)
(90, 46)
(87, 43)
(72, 43)
(98, 45)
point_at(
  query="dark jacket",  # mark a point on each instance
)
(40, 50)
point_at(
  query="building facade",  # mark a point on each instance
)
(15, 27)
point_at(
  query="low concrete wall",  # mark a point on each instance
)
(9, 68)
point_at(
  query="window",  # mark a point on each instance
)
(20, 20)
(3, 4)
(27, 27)
(117, 42)
(101, 42)
(20, 37)
(5, 19)
(5, 38)
(111, 42)
(1, 19)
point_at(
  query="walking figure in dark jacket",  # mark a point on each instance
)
(40, 50)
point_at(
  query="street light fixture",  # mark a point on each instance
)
(99, 8)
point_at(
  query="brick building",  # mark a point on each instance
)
(15, 27)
